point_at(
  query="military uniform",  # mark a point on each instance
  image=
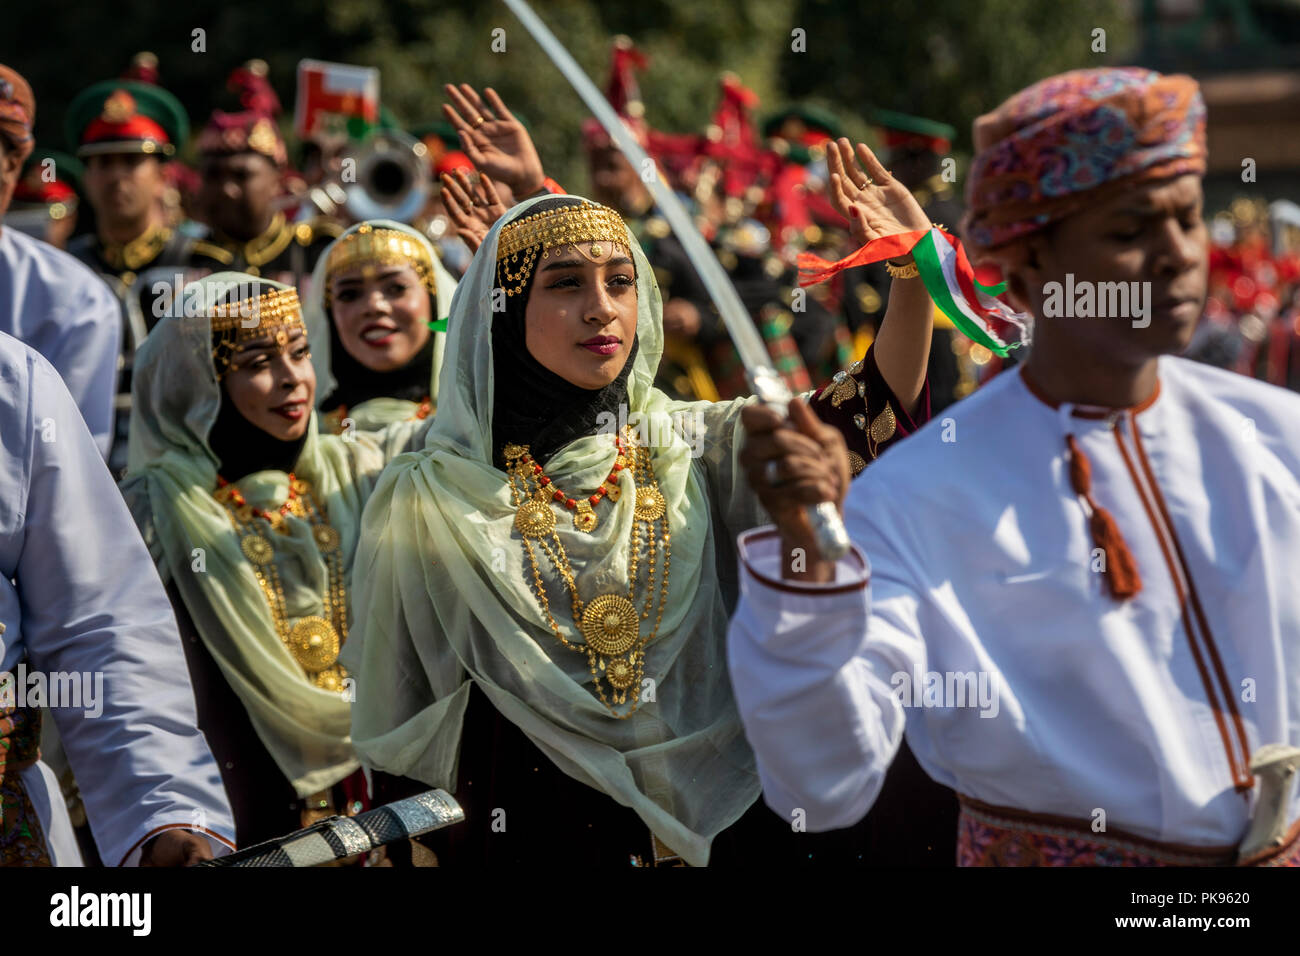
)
(285, 251)
(46, 197)
(684, 371)
(131, 118)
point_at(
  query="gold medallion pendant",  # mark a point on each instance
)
(314, 643)
(650, 504)
(534, 518)
(584, 517)
(327, 538)
(256, 548)
(331, 678)
(610, 624)
(620, 673)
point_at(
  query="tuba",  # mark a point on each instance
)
(386, 177)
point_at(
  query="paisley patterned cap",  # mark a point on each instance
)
(1055, 147)
(17, 111)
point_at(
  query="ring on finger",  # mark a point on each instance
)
(479, 121)
(772, 473)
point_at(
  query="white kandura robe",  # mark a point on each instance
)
(78, 593)
(974, 554)
(63, 310)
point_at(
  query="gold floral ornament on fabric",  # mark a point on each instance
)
(844, 386)
(523, 240)
(370, 248)
(274, 314)
(610, 624)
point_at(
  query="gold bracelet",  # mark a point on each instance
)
(909, 271)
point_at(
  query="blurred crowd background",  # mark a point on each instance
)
(735, 100)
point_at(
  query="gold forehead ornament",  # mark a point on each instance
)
(369, 248)
(520, 242)
(275, 313)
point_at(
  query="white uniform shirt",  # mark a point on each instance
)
(79, 596)
(53, 303)
(974, 557)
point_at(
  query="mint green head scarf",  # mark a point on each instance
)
(444, 592)
(376, 412)
(172, 473)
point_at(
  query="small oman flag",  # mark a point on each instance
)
(335, 99)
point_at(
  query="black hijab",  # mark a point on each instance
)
(357, 383)
(531, 405)
(240, 446)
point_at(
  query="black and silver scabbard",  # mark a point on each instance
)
(340, 837)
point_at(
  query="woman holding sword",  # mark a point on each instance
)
(542, 590)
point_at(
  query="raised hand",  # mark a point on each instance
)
(472, 211)
(495, 142)
(874, 202)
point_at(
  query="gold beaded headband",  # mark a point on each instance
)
(276, 313)
(370, 248)
(563, 226)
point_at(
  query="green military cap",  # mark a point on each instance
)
(65, 168)
(124, 116)
(439, 128)
(904, 130)
(800, 128)
(52, 179)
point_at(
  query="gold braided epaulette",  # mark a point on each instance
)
(587, 222)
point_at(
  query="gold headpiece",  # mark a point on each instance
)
(370, 247)
(564, 226)
(275, 313)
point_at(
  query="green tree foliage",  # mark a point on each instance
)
(949, 59)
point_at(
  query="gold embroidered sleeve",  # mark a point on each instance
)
(859, 403)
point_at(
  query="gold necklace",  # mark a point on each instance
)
(313, 641)
(584, 513)
(609, 623)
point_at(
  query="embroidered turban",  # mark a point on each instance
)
(17, 111)
(1069, 140)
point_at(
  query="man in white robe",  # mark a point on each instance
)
(1076, 593)
(48, 299)
(86, 629)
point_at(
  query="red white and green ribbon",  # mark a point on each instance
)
(949, 277)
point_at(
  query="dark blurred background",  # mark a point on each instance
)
(946, 59)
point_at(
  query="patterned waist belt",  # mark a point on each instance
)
(1003, 836)
(22, 842)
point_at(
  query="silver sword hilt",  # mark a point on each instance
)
(827, 525)
(1275, 765)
